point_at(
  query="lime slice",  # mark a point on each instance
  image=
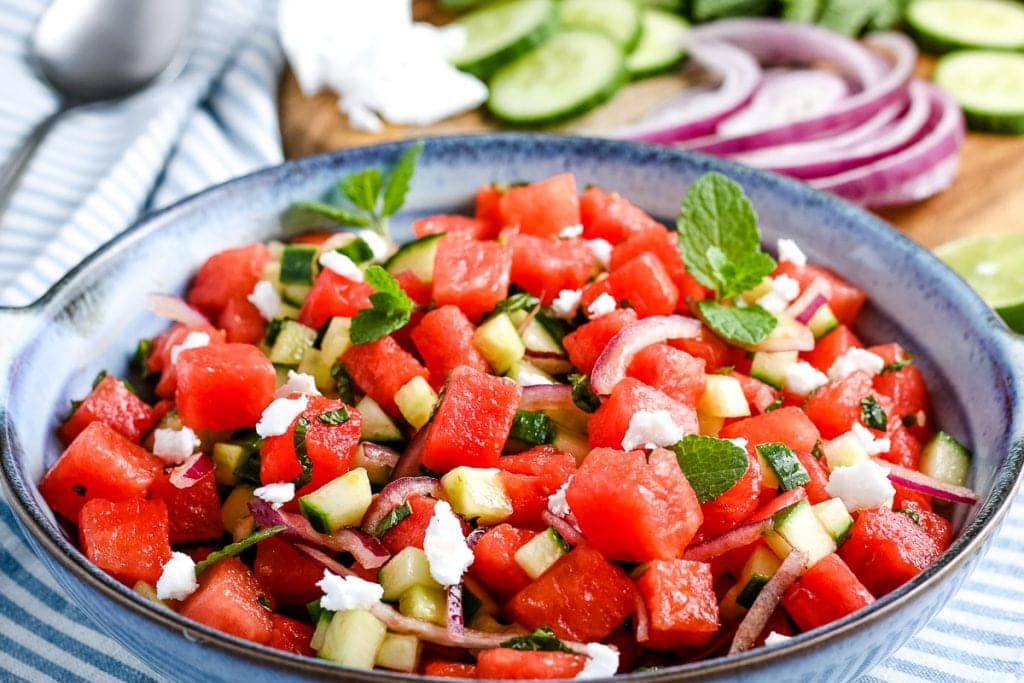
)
(994, 266)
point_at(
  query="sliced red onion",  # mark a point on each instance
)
(565, 529)
(847, 114)
(767, 600)
(175, 308)
(945, 133)
(921, 482)
(474, 536)
(409, 464)
(455, 620)
(810, 300)
(379, 455)
(807, 313)
(395, 494)
(611, 365)
(731, 540)
(930, 182)
(785, 96)
(695, 114)
(643, 620)
(186, 474)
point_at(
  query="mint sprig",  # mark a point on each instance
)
(711, 465)
(236, 548)
(743, 326)
(391, 308)
(541, 639)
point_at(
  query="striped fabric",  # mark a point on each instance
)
(101, 168)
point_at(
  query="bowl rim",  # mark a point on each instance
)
(990, 513)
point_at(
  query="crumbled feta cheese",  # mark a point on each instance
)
(193, 340)
(802, 378)
(775, 638)
(279, 415)
(300, 383)
(570, 231)
(986, 268)
(445, 546)
(651, 429)
(528, 376)
(178, 579)
(784, 290)
(342, 265)
(602, 305)
(602, 251)
(557, 504)
(789, 251)
(602, 661)
(739, 441)
(872, 445)
(862, 486)
(348, 592)
(377, 244)
(175, 446)
(266, 300)
(853, 360)
(566, 303)
(276, 494)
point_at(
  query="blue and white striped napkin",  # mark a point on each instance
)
(100, 169)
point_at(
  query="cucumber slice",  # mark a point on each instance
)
(314, 364)
(425, 603)
(532, 427)
(620, 20)
(336, 339)
(356, 248)
(378, 470)
(570, 74)
(834, 518)
(706, 10)
(416, 401)
(353, 639)
(478, 492)
(846, 450)
(572, 443)
(499, 343)
(822, 322)
(409, 567)
(376, 425)
(291, 343)
(946, 459)
(538, 554)
(297, 264)
(945, 25)
(417, 256)
(339, 503)
(535, 336)
(524, 373)
(723, 397)
(499, 32)
(801, 10)
(758, 570)
(228, 457)
(800, 528)
(784, 464)
(988, 86)
(770, 367)
(661, 44)
(323, 622)
(399, 653)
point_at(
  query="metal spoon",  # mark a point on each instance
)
(92, 51)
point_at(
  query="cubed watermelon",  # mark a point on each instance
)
(381, 368)
(333, 295)
(681, 603)
(886, 549)
(223, 386)
(646, 285)
(609, 423)
(543, 266)
(289, 576)
(786, 425)
(112, 403)
(542, 208)
(444, 339)
(505, 663)
(845, 299)
(128, 538)
(586, 342)
(230, 274)
(193, 512)
(228, 599)
(470, 274)
(826, 592)
(495, 566)
(612, 217)
(832, 346)
(673, 372)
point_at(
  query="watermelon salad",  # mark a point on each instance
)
(554, 439)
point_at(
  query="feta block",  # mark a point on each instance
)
(175, 446)
(872, 445)
(788, 250)
(775, 638)
(557, 504)
(566, 303)
(276, 494)
(784, 290)
(602, 251)
(445, 546)
(570, 231)
(193, 340)
(802, 378)
(380, 247)
(279, 415)
(862, 486)
(298, 383)
(342, 265)
(266, 300)
(601, 305)
(651, 429)
(853, 360)
(178, 579)
(602, 661)
(348, 592)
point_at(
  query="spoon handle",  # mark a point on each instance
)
(15, 166)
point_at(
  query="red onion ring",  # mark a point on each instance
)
(565, 529)
(186, 474)
(547, 397)
(767, 600)
(455, 620)
(395, 494)
(611, 365)
(379, 455)
(409, 464)
(819, 91)
(807, 313)
(921, 482)
(175, 308)
(930, 182)
(810, 300)
(643, 620)
(731, 540)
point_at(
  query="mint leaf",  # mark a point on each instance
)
(542, 638)
(712, 466)
(363, 188)
(236, 548)
(334, 417)
(343, 383)
(582, 395)
(743, 326)
(299, 442)
(392, 518)
(516, 302)
(335, 214)
(391, 310)
(872, 415)
(533, 427)
(401, 176)
(897, 365)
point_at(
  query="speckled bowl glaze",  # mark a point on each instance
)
(91, 319)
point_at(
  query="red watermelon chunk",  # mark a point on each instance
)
(646, 285)
(785, 425)
(444, 339)
(503, 663)
(733, 506)
(610, 216)
(230, 274)
(826, 592)
(544, 266)
(470, 274)
(453, 225)
(193, 512)
(671, 371)
(530, 478)
(333, 295)
(291, 635)
(242, 322)
(160, 357)
(495, 566)
(836, 406)
(228, 599)
(585, 344)
(128, 538)
(845, 299)
(886, 549)
(289, 576)
(223, 386)
(112, 403)
(488, 208)
(609, 423)
(663, 245)
(681, 603)
(380, 369)
(411, 530)
(542, 208)
(832, 346)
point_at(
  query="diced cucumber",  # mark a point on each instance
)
(759, 569)
(355, 247)
(400, 653)
(538, 554)
(417, 256)
(377, 471)
(477, 492)
(353, 639)
(723, 397)
(801, 10)
(526, 374)
(770, 367)
(323, 622)
(297, 264)
(800, 527)
(416, 401)
(425, 603)
(834, 518)
(988, 86)
(822, 322)
(620, 20)
(532, 427)
(572, 443)
(846, 450)
(709, 425)
(944, 25)
(148, 591)
(946, 459)
(377, 426)
(234, 512)
(768, 478)
(291, 343)
(339, 503)
(293, 295)
(407, 568)
(336, 340)
(498, 342)
(535, 336)
(729, 610)
(552, 366)
(227, 457)
(482, 621)
(499, 32)
(568, 75)
(777, 543)
(661, 43)
(784, 464)
(314, 364)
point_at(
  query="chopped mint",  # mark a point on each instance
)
(236, 548)
(872, 415)
(299, 442)
(392, 518)
(334, 417)
(712, 465)
(582, 395)
(783, 461)
(542, 638)
(744, 326)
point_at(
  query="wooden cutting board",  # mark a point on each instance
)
(987, 196)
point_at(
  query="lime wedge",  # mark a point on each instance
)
(994, 266)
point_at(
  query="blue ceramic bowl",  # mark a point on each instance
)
(91, 319)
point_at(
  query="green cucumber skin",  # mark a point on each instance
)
(1006, 124)
(631, 41)
(485, 67)
(636, 72)
(933, 43)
